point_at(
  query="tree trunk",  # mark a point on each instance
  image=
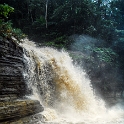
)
(46, 13)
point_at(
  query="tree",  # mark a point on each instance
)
(64, 17)
(5, 10)
(118, 13)
(6, 29)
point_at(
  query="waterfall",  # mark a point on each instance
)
(64, 89)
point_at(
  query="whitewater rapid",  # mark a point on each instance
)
(64, 89)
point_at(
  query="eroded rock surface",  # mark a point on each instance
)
(13, 106)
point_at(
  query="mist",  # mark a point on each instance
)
(101, 65)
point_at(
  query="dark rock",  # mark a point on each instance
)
(32, 119)
(17, 109)
(13, 86)
(11, 69)
(4, 98)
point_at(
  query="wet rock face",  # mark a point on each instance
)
(13, 87)
(32, 119)
(11, 69)
(18, 109)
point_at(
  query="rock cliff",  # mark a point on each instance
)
(13, 104)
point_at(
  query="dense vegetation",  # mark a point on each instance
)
(6, 29)
(55, 18)
(52, 22)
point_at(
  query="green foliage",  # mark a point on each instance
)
(117, 9)
(74, 17)
(59, 42)
(106, 55)
(39, 23)
(7, 31)
(5, 10)
(41, 20)
(67, 17)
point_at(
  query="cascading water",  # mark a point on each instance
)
(64, 89)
